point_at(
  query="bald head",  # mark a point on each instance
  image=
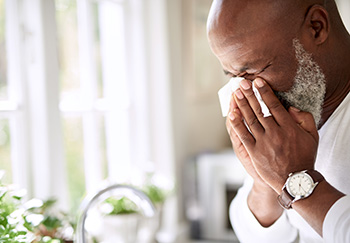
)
(236, 28)
(254, 38)
(236, 18)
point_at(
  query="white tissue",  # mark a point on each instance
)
(225, 95)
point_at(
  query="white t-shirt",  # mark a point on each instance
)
(333, 161)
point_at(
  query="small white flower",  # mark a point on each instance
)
(35, 219)
(16, 216)
(33, 203)
(20, 193)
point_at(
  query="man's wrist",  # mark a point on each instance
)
(262, 203)
(259, 184)
(263, 192)
(299, 185)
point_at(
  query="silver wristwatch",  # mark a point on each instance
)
(299, 185)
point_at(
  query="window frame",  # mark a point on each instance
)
(35, 109)
(35, 129)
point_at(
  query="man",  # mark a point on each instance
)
(297, 54)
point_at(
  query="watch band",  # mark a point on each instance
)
(315, 175)
(286, 200)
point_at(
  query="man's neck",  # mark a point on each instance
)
(331, 104)
(339, 82)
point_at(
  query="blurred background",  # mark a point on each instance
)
(113, 90)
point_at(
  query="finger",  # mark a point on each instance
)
(233, 108)
(237, 145)
(249, 116)
(241, 151)
(246, 87)
(305, 120)
(276, 108)
(233, 104)
(245, 137)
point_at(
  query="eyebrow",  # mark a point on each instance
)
(241, 70)
(228, 73)
(244, 70)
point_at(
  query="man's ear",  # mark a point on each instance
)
(317, 24)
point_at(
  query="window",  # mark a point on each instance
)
(84, 95)
(5, 158)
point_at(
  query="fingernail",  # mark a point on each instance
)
(245, 84)
(259, 82)
(239, 94)
(294, 109)
(231, 116)
(237, 111)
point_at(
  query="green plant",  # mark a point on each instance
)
(120, 206)
(30, 221)
(12, 229)
(51, 225)
(156, 193)
(156, 187)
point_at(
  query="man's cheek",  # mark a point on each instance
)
(284, 102)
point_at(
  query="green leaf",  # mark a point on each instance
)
(28, 226)
(155, 194)
(3, 192)
(51, 222)
(122, 206)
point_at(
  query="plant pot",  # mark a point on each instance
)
(117, 228)
(124, 228)
(148, 227)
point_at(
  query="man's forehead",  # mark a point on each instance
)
(232, 28)
(241, 16)
(245, 50)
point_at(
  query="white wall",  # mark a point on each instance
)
(344, 9)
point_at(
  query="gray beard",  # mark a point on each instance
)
(309, 88)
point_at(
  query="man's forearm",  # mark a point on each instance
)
(262, 202)
(314, 208)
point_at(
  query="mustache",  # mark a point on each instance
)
(283, 101)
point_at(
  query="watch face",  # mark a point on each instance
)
(300, 185)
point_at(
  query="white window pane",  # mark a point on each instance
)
(80, 89)
(79, 49)
(3, 64)
(115, 81)
(74, 153)
(84, 152)
(5, 150)
(66, 16)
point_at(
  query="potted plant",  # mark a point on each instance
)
(119, 219)
(114, 220)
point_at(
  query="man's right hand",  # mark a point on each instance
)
(262, 200)
(239, 148)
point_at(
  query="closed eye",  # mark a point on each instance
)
(244, 73)
(265, 68)
(231, 75)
